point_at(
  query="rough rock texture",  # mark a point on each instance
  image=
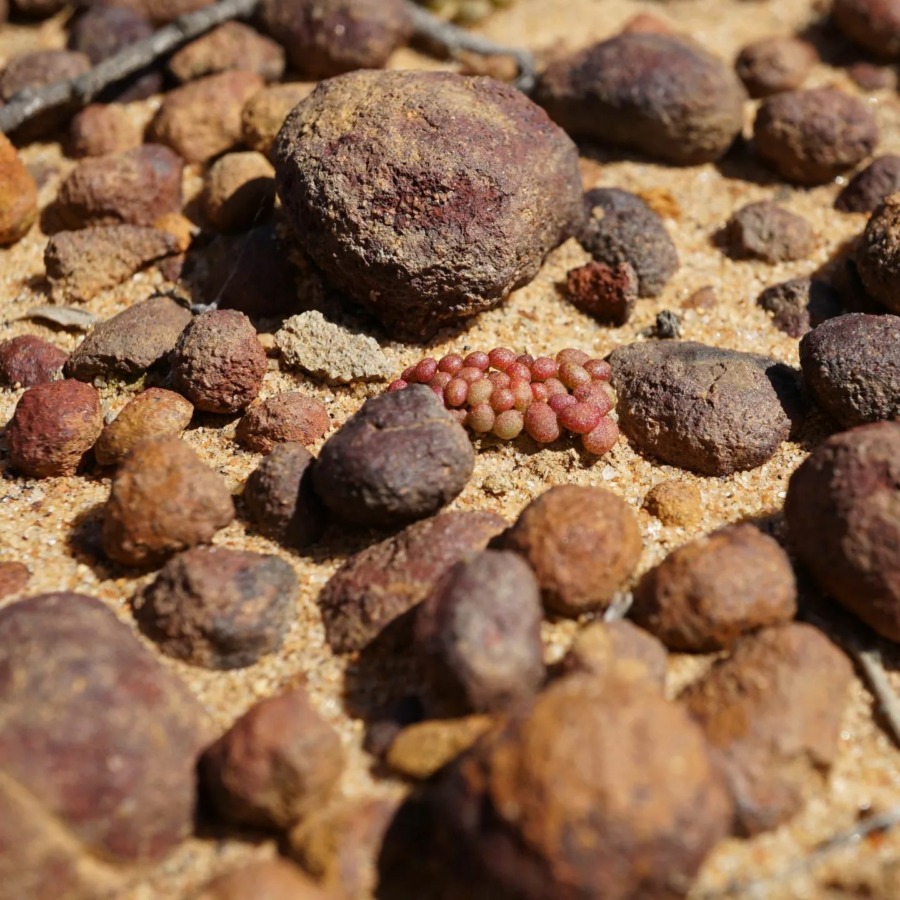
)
(852, 367)
(104, 128)
(775, 64)
(163, 500)
(38, 68)
(264, 113)
(331, 352)
(878, 254)
(768, 232)
(812, 136)
(219, 608)
(602, 789)
(582, 543)
(134, 730)
(656, 93)
(772, 712)
(843, 512)
(873, 24)
(28, 360)
(426, 196)
(675, 503)
(800, 304)
(424, 748)
(706, 594)
(400, 458)
(18, 195)
(232, 45)
(872, 186)
(53, 427)
(131, 342)
(267, 879)
(702, 408)
(608, 293)
(239, 189)
(288, 417)
(378, 585)
(279, 762)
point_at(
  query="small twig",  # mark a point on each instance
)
(873, 668)
(79, 91)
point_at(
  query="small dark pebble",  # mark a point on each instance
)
(800, 304)
(870, 187)
(607, 293)
(768, 232)
(667, 325)
(28, 360)
(289, 416)
(774, 64)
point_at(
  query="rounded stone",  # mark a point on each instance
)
(878, 254)
(870, 187)
(239, 189)
(18, 195)
(289, 417)
(800, 304)
(264, 113)
(873, 24)
(775, 64)
(675, 503)
(768, 232)
(28, 360)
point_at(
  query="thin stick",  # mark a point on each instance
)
(873, 668)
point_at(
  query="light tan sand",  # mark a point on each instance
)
(39, 518)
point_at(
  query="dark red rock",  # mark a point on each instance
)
(286, 417)
(608, 293)
(28, 360)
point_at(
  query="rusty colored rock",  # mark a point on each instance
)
(27, 360)
(230, 46)
(607, 293)
(675, 503)
(18, 195)
(239, 189)
(775, 64)
(13, 578)
(104, 128)
(290, 417)
(264, 113)
(421, 750)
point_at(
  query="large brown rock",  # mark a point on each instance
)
(18, 195)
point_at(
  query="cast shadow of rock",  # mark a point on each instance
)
(85, 544)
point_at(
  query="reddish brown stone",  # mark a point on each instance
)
(675, 503)
(608, 293)
(28, 360)
(289, 417)
(13, 578)
(768, 232)
(18, 195)
(104, 128)
(775, 64)
(231, 46)
(239, 190)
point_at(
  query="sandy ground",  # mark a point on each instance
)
(51, 525)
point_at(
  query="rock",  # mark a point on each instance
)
(706, 594)
(264, 113)
(768, 232)
(878, 254)
(583, 543)
(870, 187)
(131, 342)
(852, 367)
(479, 632)
(288, 417)
(658, 94)
(843, 512)
(120, 788)
(36, 69)
(418, 243)
(331, 352)
(101, 129)
(619, 649)
(81, 264)
(775, 64)
(278, 763)
(280, 500)
(37, 9)
(772, 713)
(873, 24)
(18, 195)
(703, 298)
(608, 293)
(268, 879)
(28, 360)
(163, 11)
(184, 123)
(872, 77)
(377, 586)
(153, 413)
(401, 457)
(53, 427)
(162, 500)
(706, 409)
(101, 31)
(800, 304)
(230, 46)
(810, 137)
(13, 578)
(607, 760)
(324, 38)
(219, 608)
(621, 228)
(423, 749)
(675, 503)
(218, 362)
(131, 188)
(239, 188)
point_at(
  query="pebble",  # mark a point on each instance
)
(870, 187)
(331, 352)
(701, 408)
(843, 514)
(230, 46)
(878, 254)
(53, 427)
(219, 608)
(38, 68)
(163, 500)
(104, 128)
(401, 457)
(184, 123)
(421, 750)
(27, 360)
(81, 264)
(324, 38)
(278, 763)
(264, 113)
(279, 498)
(218, 362)
(872, 77)
(607, 293)
(706, 594)
(239, 189)
(582, 543)
(659, 94)
(101, 31)
(675, 503)
(772, 712)
(265, 879)
(622, 228)
(872, 24)
(852, 367)
(131, 342)
(153, 413)
(13, 579)
(374, 588)
(287, 417)
(775, 64)
(607, 760)
(479, 632)
(18, 195)
(768, 232)
(453, 225)
(119, 788)
(800, 304)
(811, 137)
